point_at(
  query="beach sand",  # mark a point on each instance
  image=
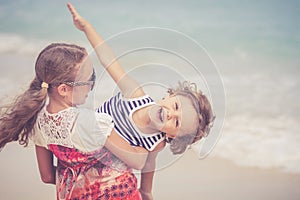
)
(214, 178)
(188, 178)
(19, 174)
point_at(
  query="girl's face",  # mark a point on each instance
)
(83, 83)
(176, 116)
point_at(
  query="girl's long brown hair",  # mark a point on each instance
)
(55, 64)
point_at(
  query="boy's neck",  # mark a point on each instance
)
(142, 120)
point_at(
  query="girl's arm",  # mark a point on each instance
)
(134, 157)
(147, 176)
(148, 173)
(128, 86)
(45, 164)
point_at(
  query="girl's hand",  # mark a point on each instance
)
(79, 21)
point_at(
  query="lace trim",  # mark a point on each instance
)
(56, 128)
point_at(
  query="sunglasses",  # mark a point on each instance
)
(90, 82)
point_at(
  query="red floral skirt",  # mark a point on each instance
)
(90, 176)
(122, 188)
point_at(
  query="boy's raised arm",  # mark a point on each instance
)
(128, 86)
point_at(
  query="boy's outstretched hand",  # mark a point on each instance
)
(79, 21)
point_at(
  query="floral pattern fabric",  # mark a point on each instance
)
(95, 175)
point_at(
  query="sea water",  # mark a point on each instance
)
(254, 45)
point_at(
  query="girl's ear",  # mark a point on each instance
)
(170, 136)
(62, 90)
(169, 139)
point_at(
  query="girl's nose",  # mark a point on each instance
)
(171, 114)
(168, 114)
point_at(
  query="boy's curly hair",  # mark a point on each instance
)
(205, 116)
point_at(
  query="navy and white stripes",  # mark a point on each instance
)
(121, 111)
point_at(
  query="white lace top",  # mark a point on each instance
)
(73, 127)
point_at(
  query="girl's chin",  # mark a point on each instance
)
(155, 117)
(156, 124)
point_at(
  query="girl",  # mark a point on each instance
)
(182, 118)
(48, 113)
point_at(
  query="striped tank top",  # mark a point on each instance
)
(121, 110)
